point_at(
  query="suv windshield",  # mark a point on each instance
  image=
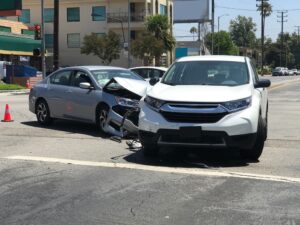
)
(218, 73)
(104, 76)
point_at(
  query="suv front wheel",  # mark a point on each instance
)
(255, 152)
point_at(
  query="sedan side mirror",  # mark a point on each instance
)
(153, 81)
(263, 83)
(85, 85)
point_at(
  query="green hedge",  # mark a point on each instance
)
(5, 87)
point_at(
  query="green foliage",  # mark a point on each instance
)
(223, 43)
(267, 9)
(193, 31)
(155, 41)
(290, 54)
(106, 47)
(242, 31)
(147, 47)
(6, 87)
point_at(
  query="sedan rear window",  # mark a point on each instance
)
(104, 76)
(218, 73)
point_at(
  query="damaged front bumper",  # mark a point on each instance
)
(120, 123)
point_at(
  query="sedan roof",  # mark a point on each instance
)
(96, 68)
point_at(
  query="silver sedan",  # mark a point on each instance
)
(92, 94)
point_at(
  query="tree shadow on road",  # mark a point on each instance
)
(190, 158)
(71, 127)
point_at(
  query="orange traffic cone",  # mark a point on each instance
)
(7, 117)
(27, 84)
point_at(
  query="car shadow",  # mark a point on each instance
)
(70, 127)
(190, 158)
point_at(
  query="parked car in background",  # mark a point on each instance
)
(191, 106)
(92, 94)
(290, 73)
(149, 72)
(278, 71)
(295, 72)
(3, 65)
(286, 71)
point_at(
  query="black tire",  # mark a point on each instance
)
(43, 113)
(150, 150)
(102, 115)
(255, 152)
(266, 123)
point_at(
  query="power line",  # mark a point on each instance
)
(250, 10)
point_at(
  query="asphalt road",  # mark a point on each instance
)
(69, 174)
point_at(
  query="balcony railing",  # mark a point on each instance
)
(123, 17)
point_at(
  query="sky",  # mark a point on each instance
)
(248, 8)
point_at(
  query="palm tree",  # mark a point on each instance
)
(193, 31)
(265, 10)
(159, 26)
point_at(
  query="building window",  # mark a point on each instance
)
(5, 29)
(25, 17)
(73, 40)
(163, 10)
(100, 34)
(156, 7)
(73, 14)
(49, 40)
(133, 34)
(99, 13)
(28, 32)
(49, 15)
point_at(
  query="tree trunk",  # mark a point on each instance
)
(157, 60)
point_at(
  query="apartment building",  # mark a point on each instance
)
(83, 17)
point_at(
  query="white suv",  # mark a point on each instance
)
(208, 102)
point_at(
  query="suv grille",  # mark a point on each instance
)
(193, 117)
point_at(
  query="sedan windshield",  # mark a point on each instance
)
(104, 76)
(218, 73)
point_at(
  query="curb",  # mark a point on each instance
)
(23, 91)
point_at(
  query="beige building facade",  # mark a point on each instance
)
(83, 17)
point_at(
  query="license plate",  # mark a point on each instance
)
(190, 131)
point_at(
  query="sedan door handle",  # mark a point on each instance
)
(68, 91)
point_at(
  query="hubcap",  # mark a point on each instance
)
(41, 112)
(103, 118)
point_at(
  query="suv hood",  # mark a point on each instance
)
(199, 93)
(138, 87)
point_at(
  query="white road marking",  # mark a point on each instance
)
(190, 171)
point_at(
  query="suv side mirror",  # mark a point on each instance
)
(153, 81)
(263, 83)
(85, 85)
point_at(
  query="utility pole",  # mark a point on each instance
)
(219, 17)
(43, 39)
(129, 34)
(56, 35)
(263, 16)
(282, 15)
(298, 36)
(212, 25)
